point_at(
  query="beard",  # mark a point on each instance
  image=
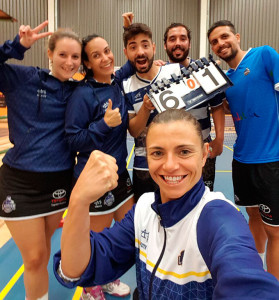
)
(175, 59)
(144, 69)
(233, 54)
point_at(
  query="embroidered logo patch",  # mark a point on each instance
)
(8, 205)
(109, 199)
(246, 72)
(145, 235)
(105, 105)
(41, 93)
(138, 97)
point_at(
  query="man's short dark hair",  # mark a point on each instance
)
(173, 25)
(135, 29)
(221, 23)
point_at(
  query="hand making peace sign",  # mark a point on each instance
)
(29, 36)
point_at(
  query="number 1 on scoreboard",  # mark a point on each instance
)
(209, 78)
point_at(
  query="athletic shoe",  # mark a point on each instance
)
(116, 288)
(96, 293)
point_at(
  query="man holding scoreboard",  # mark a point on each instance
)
(177, 44)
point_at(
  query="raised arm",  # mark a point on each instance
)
(10, 73)
(127, 19)
(228, 248)
(88, 258)
(98, 177)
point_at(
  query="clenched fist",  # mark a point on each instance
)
(98, 177)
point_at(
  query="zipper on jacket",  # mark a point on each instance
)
(158, 261)
(159, 224)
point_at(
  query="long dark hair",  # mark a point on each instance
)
(84, 56)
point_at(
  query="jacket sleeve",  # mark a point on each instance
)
(229, 251)
(84, 132)
(13, 76)
(125, 71)
(112, 254)
(12, 49)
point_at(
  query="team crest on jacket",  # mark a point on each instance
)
(8, 205)
(105, 105)
(109, 199)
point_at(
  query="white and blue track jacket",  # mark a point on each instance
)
(196, 247)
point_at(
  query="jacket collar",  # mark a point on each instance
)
(175, 210)
(94, 82)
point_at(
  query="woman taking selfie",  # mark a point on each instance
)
(187, 242)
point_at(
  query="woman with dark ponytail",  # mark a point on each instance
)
(97, 119)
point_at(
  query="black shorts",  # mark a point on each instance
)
(143, 183)
(258, 185)
(25, 195)
(208, 172)
(114, 199)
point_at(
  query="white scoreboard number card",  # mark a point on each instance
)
(209, 77)
(170, 97)
(200, 82)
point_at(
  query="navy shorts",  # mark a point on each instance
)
(258, 185)
(114, 199)
(25, 195)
